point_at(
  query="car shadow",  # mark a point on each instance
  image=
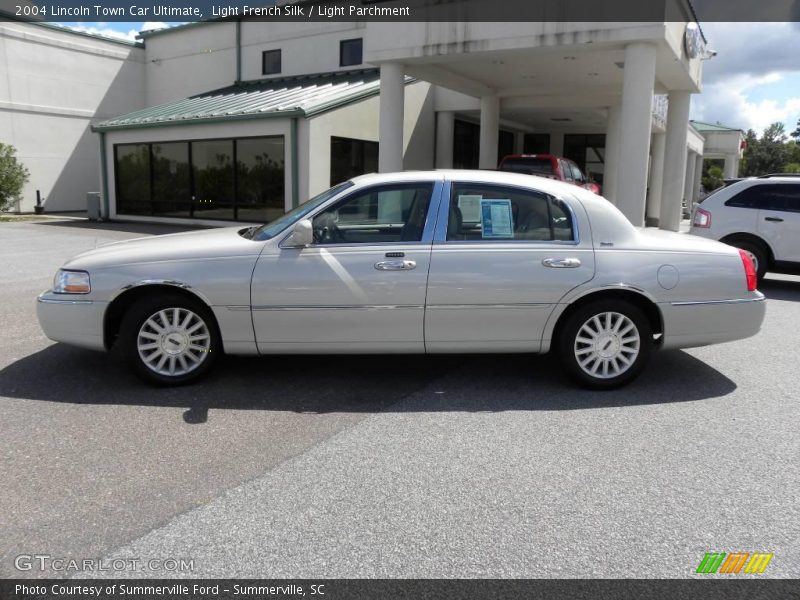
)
(325, 384)
(123, 227)
(780, 289)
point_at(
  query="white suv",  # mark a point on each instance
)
(760, 215)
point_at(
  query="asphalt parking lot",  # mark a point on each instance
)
(446, 466)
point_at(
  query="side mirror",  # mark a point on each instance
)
(302, 233)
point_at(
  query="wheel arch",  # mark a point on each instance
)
(632, 295)
(131, 294)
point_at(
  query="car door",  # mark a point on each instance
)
(361, 286)
(502, 259)
(779, 219)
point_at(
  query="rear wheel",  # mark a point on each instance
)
(605, 344)
(169, 340)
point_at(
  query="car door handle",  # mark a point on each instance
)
(396, 265)
(561, 263)
(773, 219)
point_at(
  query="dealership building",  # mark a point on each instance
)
(237, 120)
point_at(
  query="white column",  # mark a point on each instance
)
(653, 211)
(490, 132)
(698, 176)
(637, 119)
(688, 190)
(674, 160)
(445, 135)
(731, 168)
(392, 96)
(611, 167)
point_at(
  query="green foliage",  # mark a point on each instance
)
(13, 176)
(791, 168)
(768, 154)
(713, 179)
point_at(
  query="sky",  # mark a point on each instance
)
(753, 81)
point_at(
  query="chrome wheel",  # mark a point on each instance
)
(173, 342)
(607, 345)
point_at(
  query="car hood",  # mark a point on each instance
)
(208, 243)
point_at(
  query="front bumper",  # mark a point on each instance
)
(71, 319)
(691, 324)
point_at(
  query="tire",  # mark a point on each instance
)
(169, 339)
(593, 351)
(758, 255)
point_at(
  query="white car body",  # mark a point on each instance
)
(273, 296)
(735, 215)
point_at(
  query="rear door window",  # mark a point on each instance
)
(771, 196)
(495, 213)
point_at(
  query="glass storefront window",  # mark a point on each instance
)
(132, 168)
(260, 170)
(212, 169)
(351, 157)
(172, 195)
(229, 179)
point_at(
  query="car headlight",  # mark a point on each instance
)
(71, 282)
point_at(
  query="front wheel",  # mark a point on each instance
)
(169, 340)
(605, 344)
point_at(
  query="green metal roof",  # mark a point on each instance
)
(702, 126)
(300, 96)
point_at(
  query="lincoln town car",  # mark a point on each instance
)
(414, 262)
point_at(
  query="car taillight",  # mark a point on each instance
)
(702, 218)
(749, 271)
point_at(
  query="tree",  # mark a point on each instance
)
(713, 180)
(796, 133)
(13, 176)
(767, 154)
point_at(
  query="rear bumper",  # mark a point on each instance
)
(690, 324)
(71, 319)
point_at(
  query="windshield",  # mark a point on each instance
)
(528, 165)
(273, 228)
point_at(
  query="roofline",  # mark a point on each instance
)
(693, 121)
(286, 114)
(7, 16)
(143, 35)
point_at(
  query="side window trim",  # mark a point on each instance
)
(430, 218)
(442, 217)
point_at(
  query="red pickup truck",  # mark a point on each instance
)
(548, 165)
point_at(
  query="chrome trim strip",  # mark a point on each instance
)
(340, 307)
(64, 301)
(235, 308)
(538, 305)
(736, 301)
(179, 284)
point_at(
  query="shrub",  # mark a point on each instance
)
(13, 176)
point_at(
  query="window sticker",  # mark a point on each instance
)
(496, 219)
(470, 206)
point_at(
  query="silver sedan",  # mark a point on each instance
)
(417, 262)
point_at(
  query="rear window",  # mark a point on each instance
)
(774, 196)
(528, 166)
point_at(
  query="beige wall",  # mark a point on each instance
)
(53, 85)
(189, 61)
